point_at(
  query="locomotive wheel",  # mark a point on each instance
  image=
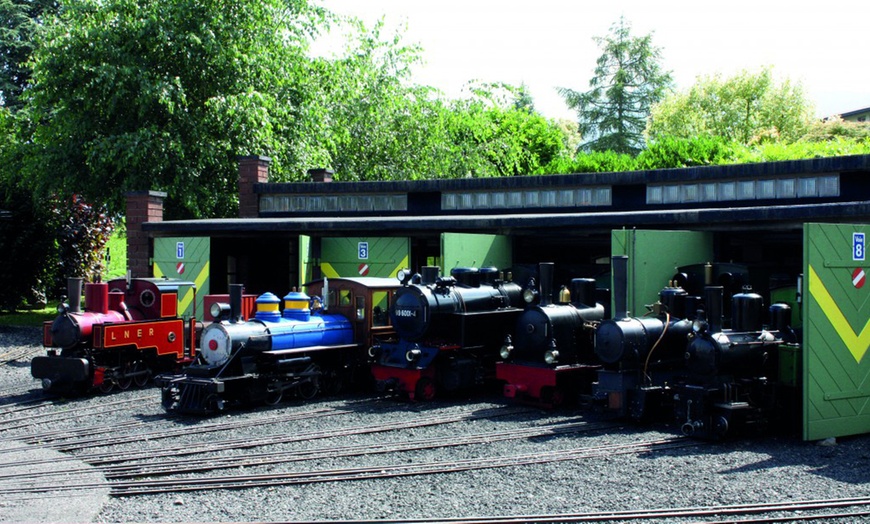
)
(125, 383)
(273, 397)
(425, 389)
(141, 380)
(311, 386)
(213, 403)
(106, 386)
(552, 397)
(167, 399)
(332, 383)
(309, 389)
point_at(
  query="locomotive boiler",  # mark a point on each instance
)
(449, 331)
(129, 330)
(549, 356)
(302, 350)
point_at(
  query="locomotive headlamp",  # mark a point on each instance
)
(62, 308)
(219, 311)
(403, 275)
(413, 354)
(530, 296)
(551, 356)
(505, 351)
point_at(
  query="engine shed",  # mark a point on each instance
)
(800, 225)
(295, 232)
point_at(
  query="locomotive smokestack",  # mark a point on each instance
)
(713, 303)
(74, 294)
(619, 265)
(545, 270)
(236, 302)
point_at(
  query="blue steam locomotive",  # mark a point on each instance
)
(302, 350)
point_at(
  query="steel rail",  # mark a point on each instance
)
(282, 457)
(690, 512)
(71, 412)
(269, 440)
(102, 441)
(149, 487)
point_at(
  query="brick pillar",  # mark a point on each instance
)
(142, 206)
(252, 170)
(321, 175)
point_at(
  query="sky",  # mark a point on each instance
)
(546, 44)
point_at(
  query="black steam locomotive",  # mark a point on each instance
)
(549, 357)
(449, 331)
(683, 363)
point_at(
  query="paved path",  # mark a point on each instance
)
(78, 505)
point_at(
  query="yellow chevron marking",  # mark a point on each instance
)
(187, 295)
(856, 343)
(328, 271)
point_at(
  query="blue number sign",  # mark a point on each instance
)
(858, 246)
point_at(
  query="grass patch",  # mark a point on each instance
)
(116, 250)
(28, 318)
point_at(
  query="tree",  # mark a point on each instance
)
(628, 81)
(19, 21)
(369, 121)
(744, 108)
(488, 139)
(164, 94)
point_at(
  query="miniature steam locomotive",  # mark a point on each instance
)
(549, 358)
(302, 350)
(128, 331)
(449, 331)
(683, 364)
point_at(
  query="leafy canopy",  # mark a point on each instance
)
(628, 80)
(744, 108)
(163, 95)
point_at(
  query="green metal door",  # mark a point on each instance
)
(653, 259)
(364, 256)
(185, 258)
(836, 320)
(475, 250)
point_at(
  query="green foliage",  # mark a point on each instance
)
(163, 95)
(29, 318)
(82, 233)
(673, 152)
(21, 20)
(369, 122)
(745, 108)
(837, 128)
(628, 81)
(116, 253)
(495, 136)
(592, 162)
(29, 249)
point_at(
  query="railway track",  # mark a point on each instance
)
(823, 509)
(242, 481)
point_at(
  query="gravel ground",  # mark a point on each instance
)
(762, 470)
